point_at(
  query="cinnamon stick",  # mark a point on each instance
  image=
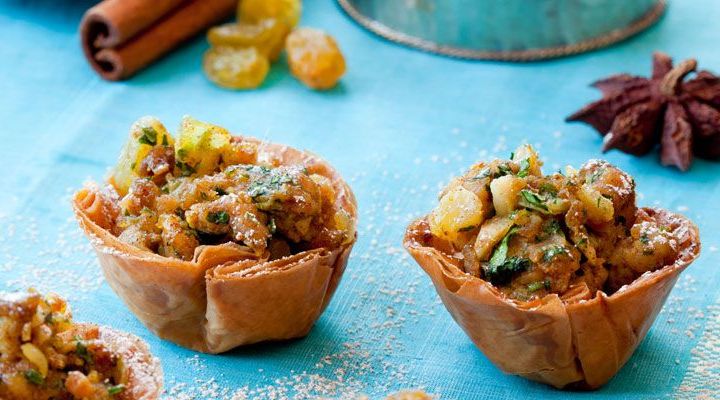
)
(121, 37)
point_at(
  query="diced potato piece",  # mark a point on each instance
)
(79, 385)
(528, 160)
(494, 229)
(557, 205)
(200, 146)
(345, 223)
(491, 233)
(599, 208)
(36, 358)
(505, 191)
(459, 210)
(145, 133)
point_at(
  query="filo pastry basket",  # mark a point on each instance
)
(578, 339)
(224, 297)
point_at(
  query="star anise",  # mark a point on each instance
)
(636, 113)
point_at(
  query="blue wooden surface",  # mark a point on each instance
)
(398, 127)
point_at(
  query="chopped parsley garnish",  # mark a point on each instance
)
(503, 273)
(82, 351)
(185, 168)
(34, 377)
(484, 173)
(500, 269)
(165, 140)
(503, 169)
(535, 286)
(552, 252)
(117, 389)
(524, 168)
(552, 226)
(512, 155)
(597, 174)
(549, 189)
(500, 254)
(644, 239)
(218, 217)
(270, 182)
(533, 201)
(149, 136)
(549, 228)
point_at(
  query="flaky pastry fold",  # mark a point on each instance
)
(224, 297)
(578, 339)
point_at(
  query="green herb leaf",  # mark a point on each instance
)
(503, 169)
(218, 217)
(484, 173)
(502, 274)
(549, 189)
(532, 201)
(117, 389)
(597, 174)
(524, 168)
(82, 351)
(500, 269)
(500, 254)
(269, 182)
(185, 168)
(467, 228)
(644, 239)
(535, 286)
(552, 252)
(34, 377)
(552, 227)
(149, 136)
(182, 153)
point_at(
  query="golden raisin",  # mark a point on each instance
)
(287, 11)
(314, 58)
(236, 68)
(267, 35)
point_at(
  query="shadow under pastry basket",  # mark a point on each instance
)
(508, 30)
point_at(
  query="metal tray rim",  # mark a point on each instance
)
(612, 37)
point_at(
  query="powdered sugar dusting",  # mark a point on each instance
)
(49, 259)
(701, 380)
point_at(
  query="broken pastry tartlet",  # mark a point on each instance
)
(216, 241)
(45, 355)
(556, 277)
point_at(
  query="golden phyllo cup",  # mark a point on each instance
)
(225, 296)
(575, 340)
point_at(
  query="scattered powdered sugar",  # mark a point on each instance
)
(701, 380)
(54, 258)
